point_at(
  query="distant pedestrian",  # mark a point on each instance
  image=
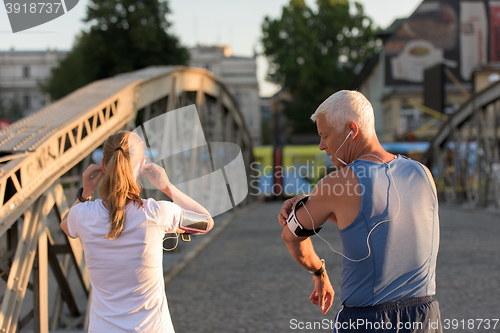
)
(386, 211)
(122, 237)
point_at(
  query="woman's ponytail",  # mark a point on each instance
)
(119, 185)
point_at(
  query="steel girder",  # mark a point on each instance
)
(464, 155)
(37, 150)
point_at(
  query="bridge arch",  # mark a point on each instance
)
(36, 151)
(464, 155)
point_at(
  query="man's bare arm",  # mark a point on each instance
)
(302, 251)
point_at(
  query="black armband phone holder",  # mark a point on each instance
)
(295, 226)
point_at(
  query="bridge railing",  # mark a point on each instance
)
(57, 141)
(464, 156)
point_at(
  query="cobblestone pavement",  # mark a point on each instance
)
(468, 268)
(246, 281)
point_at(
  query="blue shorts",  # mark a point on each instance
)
(413, 315)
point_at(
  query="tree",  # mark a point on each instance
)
(314, 53)
(11, 109)
(124, 35)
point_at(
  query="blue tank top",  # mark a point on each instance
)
(402, 263)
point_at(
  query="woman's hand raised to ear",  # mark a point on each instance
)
(90, 183)
(157, 176)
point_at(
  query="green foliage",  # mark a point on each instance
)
(314, 53)
(11, 109)
(124, 35)
(266, 132)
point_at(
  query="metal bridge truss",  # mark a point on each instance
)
(57, 141)
(464, 156)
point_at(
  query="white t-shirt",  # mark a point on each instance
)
(126, 273)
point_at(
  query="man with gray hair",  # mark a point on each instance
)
(386, 211)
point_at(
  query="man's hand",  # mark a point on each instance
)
(286, 209)
(323, 293)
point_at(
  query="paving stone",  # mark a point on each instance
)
(246, 281)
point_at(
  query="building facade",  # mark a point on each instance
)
(239, 74)
(461, 36)
(21, 73)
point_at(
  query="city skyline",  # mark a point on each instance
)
(237, 24)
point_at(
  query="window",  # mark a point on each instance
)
(26, 71)
(26, 102)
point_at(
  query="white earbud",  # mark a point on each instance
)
(350, 133)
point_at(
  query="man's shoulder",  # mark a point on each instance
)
(408, 162)
(425, 172)
(336, 184)
(340, 176)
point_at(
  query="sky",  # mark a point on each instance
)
(229, 22)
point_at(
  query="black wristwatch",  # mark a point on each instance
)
(79, 195)
(320, 271)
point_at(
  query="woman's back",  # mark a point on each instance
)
(123, 242)
(126, 272)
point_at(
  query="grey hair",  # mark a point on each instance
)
(345, 106)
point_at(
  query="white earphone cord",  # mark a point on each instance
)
(376, 225)
(170, 237)
(165, 237)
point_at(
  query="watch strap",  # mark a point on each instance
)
(320, 271)
(79, 195)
